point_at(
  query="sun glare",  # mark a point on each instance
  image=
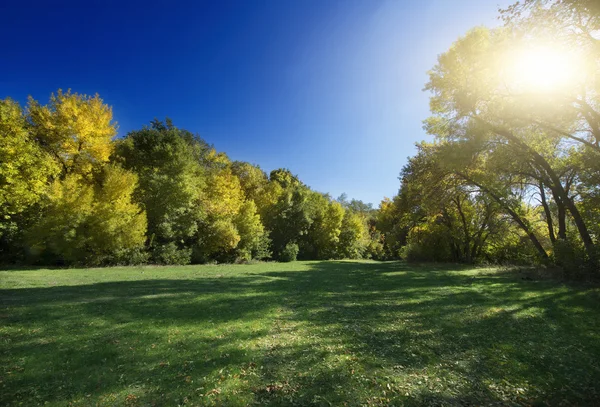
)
(543, 69)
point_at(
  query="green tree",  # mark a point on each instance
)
(168, 162)
(473, 100)
(253, 180)
(288, 213)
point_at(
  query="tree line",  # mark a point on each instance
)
(72, 193)
(511, 174)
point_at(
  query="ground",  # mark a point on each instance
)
(302, 333)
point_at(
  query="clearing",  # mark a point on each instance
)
(303, 333)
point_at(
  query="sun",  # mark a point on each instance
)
(543, 69)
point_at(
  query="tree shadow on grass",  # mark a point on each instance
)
(340, 332)
(492, 338)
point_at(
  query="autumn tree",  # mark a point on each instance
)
(25, 170)
(77, 130)
(82, 223)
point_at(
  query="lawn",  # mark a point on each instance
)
(303, 333)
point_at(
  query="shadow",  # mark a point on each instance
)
(310, 333)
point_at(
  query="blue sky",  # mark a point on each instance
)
(330, 89)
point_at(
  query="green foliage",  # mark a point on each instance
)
(289, 218)
(321, 240)
(171, 179)
(524, 148)
(117, 223)
(60, 235)
(253, 180)
(170, 253)
(376, 248)
(254, 241)
(72, 194)
(289, 252)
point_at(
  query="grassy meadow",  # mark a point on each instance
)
(305, 333)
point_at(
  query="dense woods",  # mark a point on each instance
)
(510, 175)
(72, 193)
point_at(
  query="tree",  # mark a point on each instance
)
(447, 219)
(117, 226)
(168, 162)
(288, 215)
(77, 130)
(322, 239)
(25, 171)
(253, 180)
(391, 223)
(474, 100)
(354, 236)
(254, 241)
(221, 200)
(85, 224)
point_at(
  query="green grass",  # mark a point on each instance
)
(304, 333)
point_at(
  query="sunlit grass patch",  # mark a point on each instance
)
(304, 333)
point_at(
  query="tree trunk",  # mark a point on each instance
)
(467, 242)
(564, 196)
(548, 213)
(523, 223)
(561, 215)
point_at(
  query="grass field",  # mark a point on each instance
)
(304, 333)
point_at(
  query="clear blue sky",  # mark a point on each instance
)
(330, 89)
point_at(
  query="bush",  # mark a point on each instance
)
(289, 253)
(170, 254)
(121, 257)
(418, 252)
(570, 256)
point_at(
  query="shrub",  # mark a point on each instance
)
(289, 253)
(570, 256)
(170, 254)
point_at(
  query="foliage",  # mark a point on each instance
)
(171, 254)
(353, 236)
(77, 130)
(506, 140)
(289, 252)
(82, 223)
(117, 226)
(171, 178)
(25, 169)
(511, 174)
(254, 242)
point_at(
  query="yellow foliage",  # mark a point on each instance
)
(76, 129)
(223, 195)
(118, 223)
(81, 224)
(24, 167)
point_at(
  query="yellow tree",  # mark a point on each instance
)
(221, 201)
(77, 130)
(83, 223)
(24, 167)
